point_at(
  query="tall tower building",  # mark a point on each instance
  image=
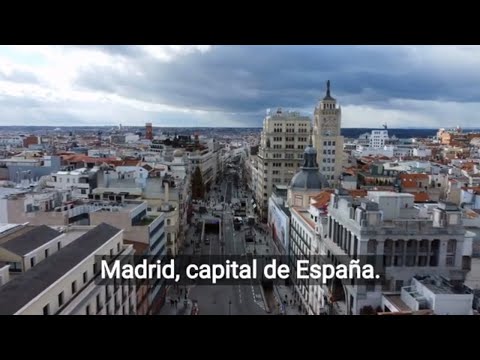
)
(148, 131)
(283, 140)
(327, 139)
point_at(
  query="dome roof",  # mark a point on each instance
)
(309, 177)
(178, 153)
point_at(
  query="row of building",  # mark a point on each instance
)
(47, 270)
(412, 214)
(73, 199)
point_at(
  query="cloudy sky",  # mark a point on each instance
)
(203, 85)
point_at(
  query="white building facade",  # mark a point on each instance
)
(386, 227)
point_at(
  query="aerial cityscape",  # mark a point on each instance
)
(98, 165)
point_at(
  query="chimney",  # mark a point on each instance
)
(167, 191)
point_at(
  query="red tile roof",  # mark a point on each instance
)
(410, 180)
(357, 193)
(321, 200)
(421, 197)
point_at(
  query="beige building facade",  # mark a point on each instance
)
(327, 138)
(64, 284)
(284, 137)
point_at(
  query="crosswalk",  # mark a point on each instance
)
(258, 299)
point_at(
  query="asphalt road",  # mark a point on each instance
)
(228, 299)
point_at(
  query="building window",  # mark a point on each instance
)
(118, 247)
(60, 299)
(372, 246)
(87, 310)
(74, 287)
(398, 285)
(399, 248)
(451, 250)
(32, 261)
(95, 269)
(46, 253)
(85, 277)
(59, 245)
(168, 222)
(46, 309)
(99, 304)
(388, 252)
(423, 253)
(411, 253)
(434, 252)
(370, 285)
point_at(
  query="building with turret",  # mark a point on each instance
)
(327, 138)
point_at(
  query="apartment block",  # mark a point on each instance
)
(399, 238)
(64, 283)
(138, 227)
(80, 181)
(284, 137)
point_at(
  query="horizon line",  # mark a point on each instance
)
(223, 127)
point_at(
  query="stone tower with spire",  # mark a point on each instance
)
(327, 138)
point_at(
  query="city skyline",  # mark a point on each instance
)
(232, 86)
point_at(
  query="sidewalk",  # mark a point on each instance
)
(280, 292)
(180, 309)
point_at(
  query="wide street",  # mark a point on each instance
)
(227, 299)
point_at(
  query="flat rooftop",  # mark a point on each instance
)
(18, 292)
(437, 286)
(122, 207)
(7, 227)
(396, 300)
(26, 241)
(305, 215)
(4, 191)
(75, 233)
(390, 194)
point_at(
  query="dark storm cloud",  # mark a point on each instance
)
(248, 79)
